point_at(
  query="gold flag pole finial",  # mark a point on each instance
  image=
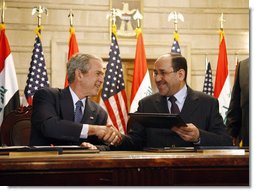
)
(222, 20)
(71, 15)
(3, 9)
(39, 11)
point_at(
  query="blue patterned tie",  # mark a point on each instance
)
(174, 107)
(78, 112)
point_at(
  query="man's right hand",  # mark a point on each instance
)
(107, 133)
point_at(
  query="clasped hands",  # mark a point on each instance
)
(109, 134)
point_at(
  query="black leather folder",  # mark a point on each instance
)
(158, 120)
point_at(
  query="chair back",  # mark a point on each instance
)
(16, 127)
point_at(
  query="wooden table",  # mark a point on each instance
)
(126, 168)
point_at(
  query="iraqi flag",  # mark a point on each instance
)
(9, 91)
(222, 89)
(141, 83)
(73, 48)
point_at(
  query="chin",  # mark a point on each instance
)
(163, 93)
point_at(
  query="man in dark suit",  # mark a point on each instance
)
(200, 112)
(67, 116)
(238, 112)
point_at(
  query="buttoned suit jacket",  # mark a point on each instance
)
(238, 112)
(53, 118)
(200, 109)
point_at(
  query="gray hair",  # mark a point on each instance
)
(79, 61)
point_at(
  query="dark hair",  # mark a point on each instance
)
(179, 62)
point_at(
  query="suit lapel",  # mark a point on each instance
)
(190, 104)
(161, 104)
(66, 104)
(88, 116)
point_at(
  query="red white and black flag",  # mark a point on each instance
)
(9, 91)
(141, 84)
(73, 49)
(222, 89)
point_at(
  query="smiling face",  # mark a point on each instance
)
(85, 74)
(90, 82)
(168, 80)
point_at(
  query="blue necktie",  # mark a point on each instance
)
(174, 107)
(78, 112)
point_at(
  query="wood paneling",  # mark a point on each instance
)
(121, 168)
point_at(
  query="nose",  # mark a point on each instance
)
(157, 78)
(101, 78)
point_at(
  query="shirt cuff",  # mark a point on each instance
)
(197, 142)
(84, 131)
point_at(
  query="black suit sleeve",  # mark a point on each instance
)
(215, 134)
(234, 116)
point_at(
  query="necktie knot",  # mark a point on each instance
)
(78, 111)
(79, 103)
(172, 99)
(174, 106)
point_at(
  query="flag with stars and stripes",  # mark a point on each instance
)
(208, 82)
(37, 76)
(113, 95)
(175, 46)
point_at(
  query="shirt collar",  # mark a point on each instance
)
(75, 98)
(181, 94)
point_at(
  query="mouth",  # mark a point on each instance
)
(98, 86)
(160, 85)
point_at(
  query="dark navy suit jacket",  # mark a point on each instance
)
(53, 118)
(238, 112)
(200, 109)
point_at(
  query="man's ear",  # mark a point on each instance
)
(78, 74)
(181, 74)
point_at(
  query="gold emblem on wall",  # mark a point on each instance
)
(125, 23)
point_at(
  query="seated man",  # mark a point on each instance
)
(67, 116)
(200, 112)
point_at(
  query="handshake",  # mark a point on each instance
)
(109, 134)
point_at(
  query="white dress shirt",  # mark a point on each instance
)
(84, 131)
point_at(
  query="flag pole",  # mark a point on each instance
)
(37, 64)
(71, 15)
(113, 95)
(175, 16)
(138, 17)
(39, 11)
(222, 20)
(3, 10)
(73, 45)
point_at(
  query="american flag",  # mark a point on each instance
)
(208, 82)
(37, 76)
(113, 90)
(175, 46)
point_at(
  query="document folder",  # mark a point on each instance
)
(158, 120)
